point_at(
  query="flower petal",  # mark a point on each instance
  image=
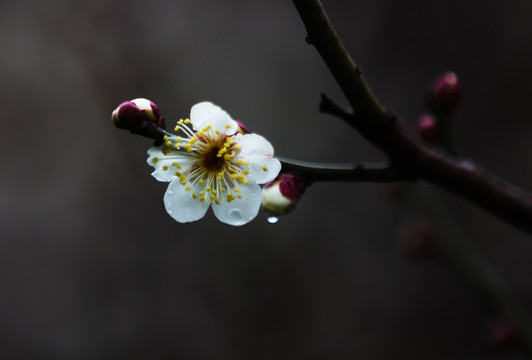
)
(206, 113)
(166, 165)
(181, 206)
(262, 169)
(258, 152)
(240, 211)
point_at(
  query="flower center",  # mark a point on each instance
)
(210, 159)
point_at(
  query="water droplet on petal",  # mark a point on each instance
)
(235, 214)
(272, 219)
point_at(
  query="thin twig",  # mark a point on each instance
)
(362, 172)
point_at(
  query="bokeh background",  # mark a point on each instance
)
(91, 266)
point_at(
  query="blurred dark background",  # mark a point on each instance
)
(92, 267)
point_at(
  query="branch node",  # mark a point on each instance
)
(332, 107)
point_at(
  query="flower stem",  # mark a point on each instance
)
(314, 172)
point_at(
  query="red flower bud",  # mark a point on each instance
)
(501, 333)
(139, 116)
(417, 239)
(280, 196)
(428, 128)
(445, 93)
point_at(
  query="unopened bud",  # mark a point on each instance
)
(428, 128)
(445, 93)
(417, 239)
(501, 333)
(139, 116)
(280, 196)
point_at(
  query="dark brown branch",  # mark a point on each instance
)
(415, 160)
(408, 155)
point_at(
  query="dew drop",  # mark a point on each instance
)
(235, 214)
(272, 219)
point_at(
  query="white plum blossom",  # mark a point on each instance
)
(213, 164)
